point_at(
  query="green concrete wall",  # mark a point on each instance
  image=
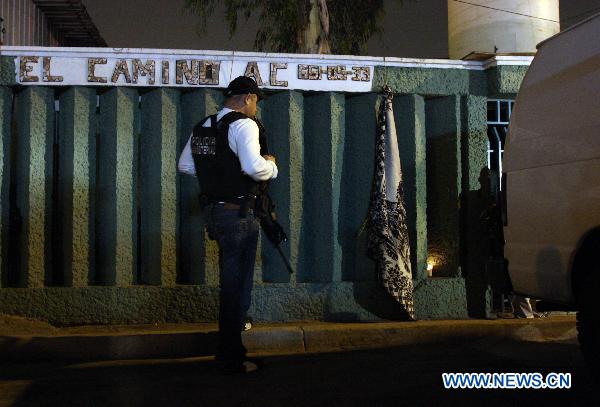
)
(409, 115)
(474, 199)
(357, 178)
(424, 81)
(284, 118)
(197, 255)
(441, 298)
(444, 177)
(496, 82)
(505, 80)
(33, 180)
(133, 246)
(77, 143)
(158, 154)
(342, 301)
(6, 98)
(116, 207)
(8, 76)
(324, 139)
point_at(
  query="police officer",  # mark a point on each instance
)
(227, 152)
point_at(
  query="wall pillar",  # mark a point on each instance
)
(116, 212)
(475, 198)
(197, 255)
(357, 183)
(158, 169)
(324, 139)
(5, 124)
(35, 126)
(284, 122)
(409, 114)
(77, 144)
(443, 183)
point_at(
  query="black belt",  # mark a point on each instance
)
(229, 206)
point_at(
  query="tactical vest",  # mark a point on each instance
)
(217, 167)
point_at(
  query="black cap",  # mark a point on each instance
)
(243, 85)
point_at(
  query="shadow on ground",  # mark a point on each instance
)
(408, 376)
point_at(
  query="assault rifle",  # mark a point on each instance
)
(264, 209)
(265, 212)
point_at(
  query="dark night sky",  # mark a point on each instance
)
(416, 29)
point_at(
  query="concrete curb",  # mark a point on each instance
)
(278, 339)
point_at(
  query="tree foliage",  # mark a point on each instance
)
(354, 22)
(281, 22)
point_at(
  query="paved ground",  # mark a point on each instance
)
(403, 368)
(27, 340)
(408, 375)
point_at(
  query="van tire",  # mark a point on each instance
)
(588, 320)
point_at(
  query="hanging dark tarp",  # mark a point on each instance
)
(388, 243)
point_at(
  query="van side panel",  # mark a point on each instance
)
(557, 111)
(550, 209)
(552, 163)
(556, 119)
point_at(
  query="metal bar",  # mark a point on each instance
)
(285, 260)
(497, 110)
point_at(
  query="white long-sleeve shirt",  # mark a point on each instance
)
(243, 141)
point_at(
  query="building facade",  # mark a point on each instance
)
(46, 23)
(500, 26)
(97, 226)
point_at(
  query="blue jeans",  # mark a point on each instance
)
(237, 238)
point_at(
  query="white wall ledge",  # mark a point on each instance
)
(265, 57)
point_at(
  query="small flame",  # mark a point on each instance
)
(430, 265)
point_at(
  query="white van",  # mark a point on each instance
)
(552, 173)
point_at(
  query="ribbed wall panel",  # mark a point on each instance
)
(116, 213)
(160, 114)
(34, 166)
(194, 248)
(283, 115)
(120, 195)
(112, 209)
(6, 98)
(444, 180)
(357, 178)
(409, 112)
(76, 176)
(324, 138)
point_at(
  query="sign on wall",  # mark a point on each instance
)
(48, 66)
(53, 67)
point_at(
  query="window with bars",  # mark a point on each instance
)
(498, 117)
